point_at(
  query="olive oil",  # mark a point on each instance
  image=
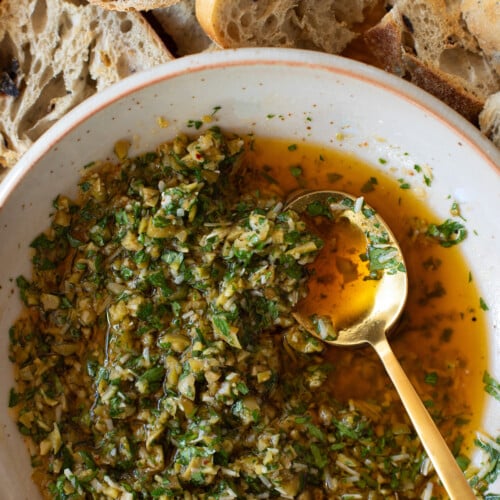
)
(340, 286)
(441, 340)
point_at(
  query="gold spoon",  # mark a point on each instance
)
(386, 267)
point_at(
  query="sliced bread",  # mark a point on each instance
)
(131, 5)
(54, 54)
(309, 24)
(483, 21)
(179, 23)
(427, 42)
(489, 118)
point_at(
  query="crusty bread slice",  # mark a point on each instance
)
(132, 5)
(489, 118)
(65, 52)
(310, 24)
(180, 24)
(483, 21)
(427, 42)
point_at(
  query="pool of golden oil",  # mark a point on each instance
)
(339, 284)
(443, 329)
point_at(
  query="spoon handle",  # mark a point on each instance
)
(443, 460)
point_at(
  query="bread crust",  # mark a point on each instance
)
(385, 42)
(444, 87)
(205, 10)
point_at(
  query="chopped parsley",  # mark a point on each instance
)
(491, 386)
(369, 185)
(197, 124)
(447, 234)
(403, 184)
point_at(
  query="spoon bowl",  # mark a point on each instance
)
(384, 263)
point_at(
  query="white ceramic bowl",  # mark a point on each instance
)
(313, 97)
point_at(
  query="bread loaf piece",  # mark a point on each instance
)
(427, 42)
(326, 26)
(489, 118)
(483, 21)
(180, 24)
(65, 51)
(132, 5)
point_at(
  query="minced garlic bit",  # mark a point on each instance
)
(162, 122)
(159, 357)
(121, 149)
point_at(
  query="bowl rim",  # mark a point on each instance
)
(465, 131)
